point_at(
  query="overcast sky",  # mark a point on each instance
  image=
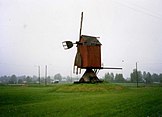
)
(32, 31)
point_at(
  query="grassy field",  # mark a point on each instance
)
(80, 100)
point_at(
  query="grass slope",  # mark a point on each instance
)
(81, 100)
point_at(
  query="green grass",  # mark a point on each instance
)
(80, 100)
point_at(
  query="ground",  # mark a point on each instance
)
(81, 100)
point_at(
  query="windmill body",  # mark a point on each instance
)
(88, 56)
(89, 53)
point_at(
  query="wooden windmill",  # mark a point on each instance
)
(88, 56)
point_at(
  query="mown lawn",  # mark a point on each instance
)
(80, 100)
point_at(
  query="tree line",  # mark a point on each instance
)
(13, 79)
(141, 77)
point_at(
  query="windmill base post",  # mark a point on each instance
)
(89, 77)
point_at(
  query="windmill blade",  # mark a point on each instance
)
(111, 68)
(67, 44)
(81, 25)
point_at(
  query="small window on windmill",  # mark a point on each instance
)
(90, 52)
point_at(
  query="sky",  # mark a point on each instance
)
(32, 32)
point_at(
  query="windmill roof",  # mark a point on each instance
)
(90, 40)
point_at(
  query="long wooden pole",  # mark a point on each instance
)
(137, 74)
(81, 25)
(45, 75)
(39, 74)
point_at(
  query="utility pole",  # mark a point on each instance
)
(39, 74)
(45, 79)
(136, 74)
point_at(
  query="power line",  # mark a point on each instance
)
(140, 9)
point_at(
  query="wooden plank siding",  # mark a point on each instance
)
(91, 56)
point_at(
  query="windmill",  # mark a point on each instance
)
(88, 56)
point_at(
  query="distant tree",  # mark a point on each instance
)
(42, 80)
(13, 79)
(4, 79)
(20, 81)
(160, 77)
(155, 77)
(112, 76)
(135, 75)
(119, 78)
(140, 79)
(148, 78)
(58, 77)
(28, 79)
(35, 78)
(144, 76)
(109, 77)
